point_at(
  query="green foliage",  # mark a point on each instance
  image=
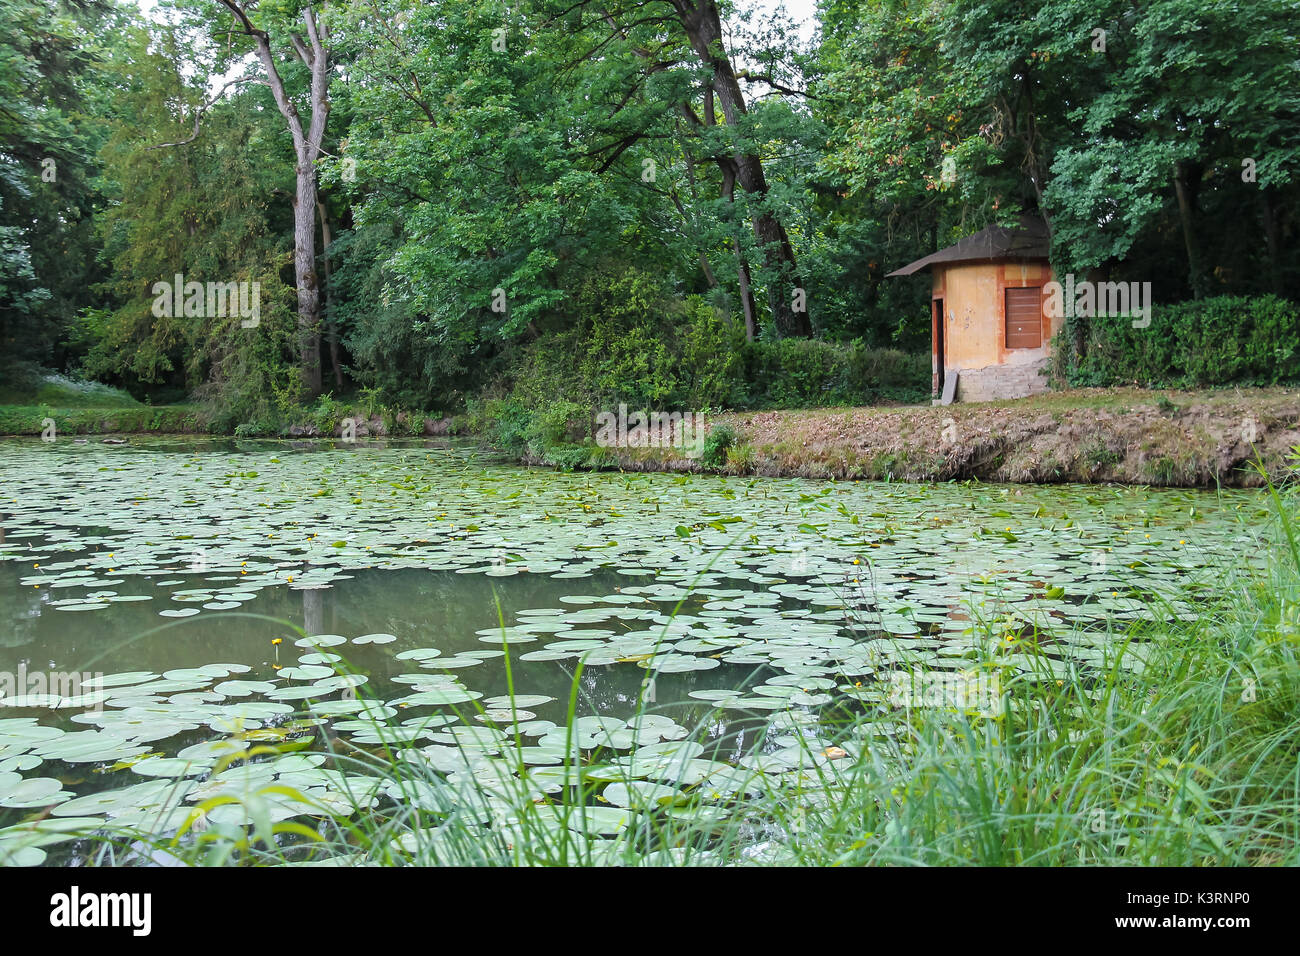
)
(252, 375)
(210, 210)
(539, 431)
(1220, 341)
(52, 92)
(717, 443)
(1097, 455)
(564, 226)
(1187, 90)
(1031, 113)
(395, 352)
(740, 459)
(60, 391)
(325, 414)
(794, 373)
(487, 190)
(632, 342)
(90, 420)
(641, 345)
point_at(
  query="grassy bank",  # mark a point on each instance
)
(77, 407)
(1134, 436)
(89, 408)
(1203, 438)
(34, 419)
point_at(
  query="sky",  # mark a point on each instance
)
(804, 12)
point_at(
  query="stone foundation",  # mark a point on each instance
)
(998, 382)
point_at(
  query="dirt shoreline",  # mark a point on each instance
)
(1195, 439)
(1129, 436)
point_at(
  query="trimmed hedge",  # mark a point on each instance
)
(810, 373)
(1208, 342)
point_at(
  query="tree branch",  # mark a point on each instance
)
(764, 78)
(303, 53)
(263, 43)
(203, 109)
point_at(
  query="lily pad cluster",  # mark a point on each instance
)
(774, 598)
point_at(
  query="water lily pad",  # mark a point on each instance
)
(243, 688)
(170, 767)
(375, 639)
(640, 795)
(321, 640)
(519, 700)
(22, 856)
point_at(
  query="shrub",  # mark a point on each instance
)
(517, 428)
(559, 423)
(1098, 455)
(740, 459)
(632, 340)
(506, 422)
(803, 373)
(1220, 341)
(716, 444)
(635, 343)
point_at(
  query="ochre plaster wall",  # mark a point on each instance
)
(973, 295)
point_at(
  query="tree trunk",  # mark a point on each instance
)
(1186, 193)
(778, 256)
(331, 329)
(304, 270)
(1273, 240)
(742, 264)
(306, 147)
(746, 293)
(709, 277)
(703, 26)
(313, 610)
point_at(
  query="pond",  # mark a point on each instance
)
(169, 603)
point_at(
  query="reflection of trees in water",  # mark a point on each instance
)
(448, 603)
(444, 609)
(423, 608)
(22, 610)
(313, 610)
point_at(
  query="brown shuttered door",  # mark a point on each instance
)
(1024, 318)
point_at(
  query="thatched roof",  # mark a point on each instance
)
(1029, 241)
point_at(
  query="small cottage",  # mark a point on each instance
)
(990, 334)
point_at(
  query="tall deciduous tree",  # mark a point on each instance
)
(52, 87)
(310, 43)
(702, 24)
